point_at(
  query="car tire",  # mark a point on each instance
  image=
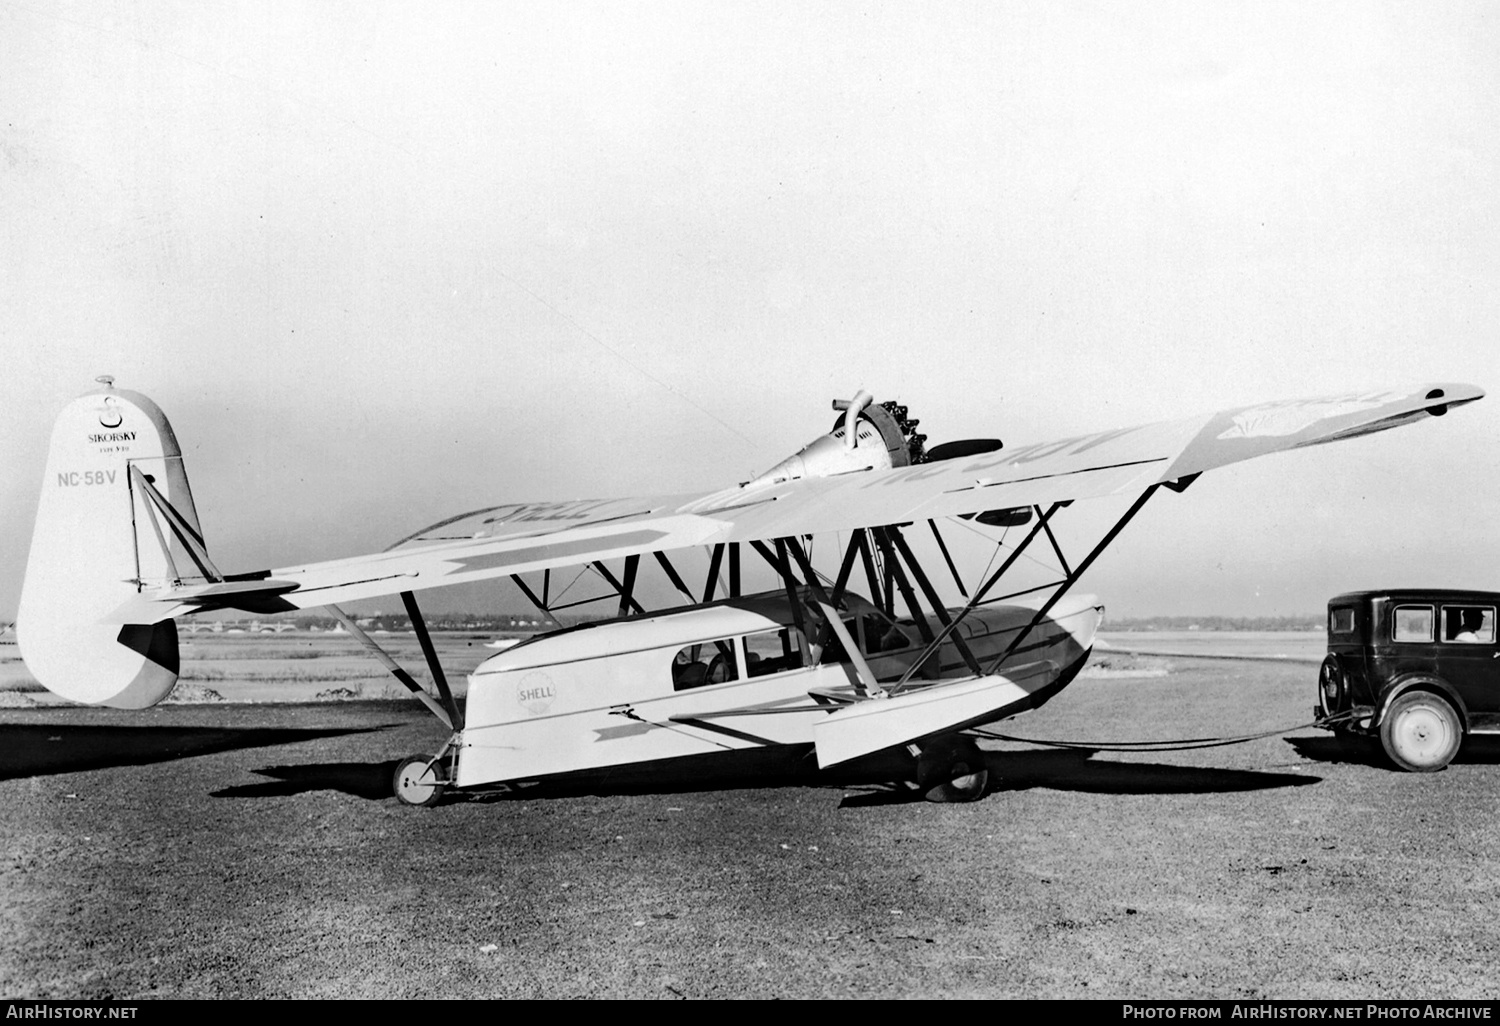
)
(1421, 732)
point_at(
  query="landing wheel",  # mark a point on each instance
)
(416, 781)
(1421, 732)
(952, 769)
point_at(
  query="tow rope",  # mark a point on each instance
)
(1182, 744)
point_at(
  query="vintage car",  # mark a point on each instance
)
(1419, 669)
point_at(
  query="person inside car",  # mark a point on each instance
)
(1472, 621)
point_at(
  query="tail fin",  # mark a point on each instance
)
(101, 535)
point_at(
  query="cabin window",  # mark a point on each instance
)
(1341, 621)
(1469, 625)
(1413, 623)
(705, 663)
(769, 652)
(880, 635)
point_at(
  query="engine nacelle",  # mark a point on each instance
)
(868, 436)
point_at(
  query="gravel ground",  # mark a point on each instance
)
(250, 851)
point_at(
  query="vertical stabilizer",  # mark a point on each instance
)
(100, 536)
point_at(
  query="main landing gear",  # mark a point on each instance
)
(951, 768)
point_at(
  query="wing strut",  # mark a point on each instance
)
(418, 624)
(893, 571)
(847, 566)
(1072, 577)
(713, 572)
(934, 601)
(984, 589)
(393, 666)
(671, 572)
(778, 562)
(943, 547)
(626, 591)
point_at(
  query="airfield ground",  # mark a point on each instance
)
(244, 850)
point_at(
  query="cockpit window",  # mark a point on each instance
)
(773, 652)
(880, 635)
(1413, 623)
(708, 662)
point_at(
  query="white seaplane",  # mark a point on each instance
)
(811, 668)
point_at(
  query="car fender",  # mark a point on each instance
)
(1421, 682)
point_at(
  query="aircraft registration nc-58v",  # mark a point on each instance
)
(811, 670)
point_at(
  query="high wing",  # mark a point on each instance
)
(516, 538)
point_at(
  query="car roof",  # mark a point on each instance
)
(1417, 595)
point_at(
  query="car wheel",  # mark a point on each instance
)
(1421, 732)
(952, 769)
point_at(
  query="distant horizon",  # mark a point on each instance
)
(489, 621)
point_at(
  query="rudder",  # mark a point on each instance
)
(99, 539)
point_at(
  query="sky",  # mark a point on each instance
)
(382, 263)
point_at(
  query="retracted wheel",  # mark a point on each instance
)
(952, 769)
(1421, 732)
(417, 782)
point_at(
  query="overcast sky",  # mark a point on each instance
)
(386, 262)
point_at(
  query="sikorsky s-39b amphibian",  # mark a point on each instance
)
(811, 668)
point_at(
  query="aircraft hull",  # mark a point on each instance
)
(528, 718)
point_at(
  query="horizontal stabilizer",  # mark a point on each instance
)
(878, 723)
(258, 596)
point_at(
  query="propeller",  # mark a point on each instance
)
(961, 448)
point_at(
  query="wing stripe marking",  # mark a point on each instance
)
(582, 546)
(1061, 473)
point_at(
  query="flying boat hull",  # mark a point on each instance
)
(563, 704)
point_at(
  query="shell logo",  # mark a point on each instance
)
(535, 693)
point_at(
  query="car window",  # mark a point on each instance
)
(1341, 621)
(1469, 625)
(1413, 623)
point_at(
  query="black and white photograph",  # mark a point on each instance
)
(753, 500)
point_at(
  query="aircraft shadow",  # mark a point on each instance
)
(1477, 750)
(879, 778)
(34, 750)
(367, 780)
(1073, 769)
